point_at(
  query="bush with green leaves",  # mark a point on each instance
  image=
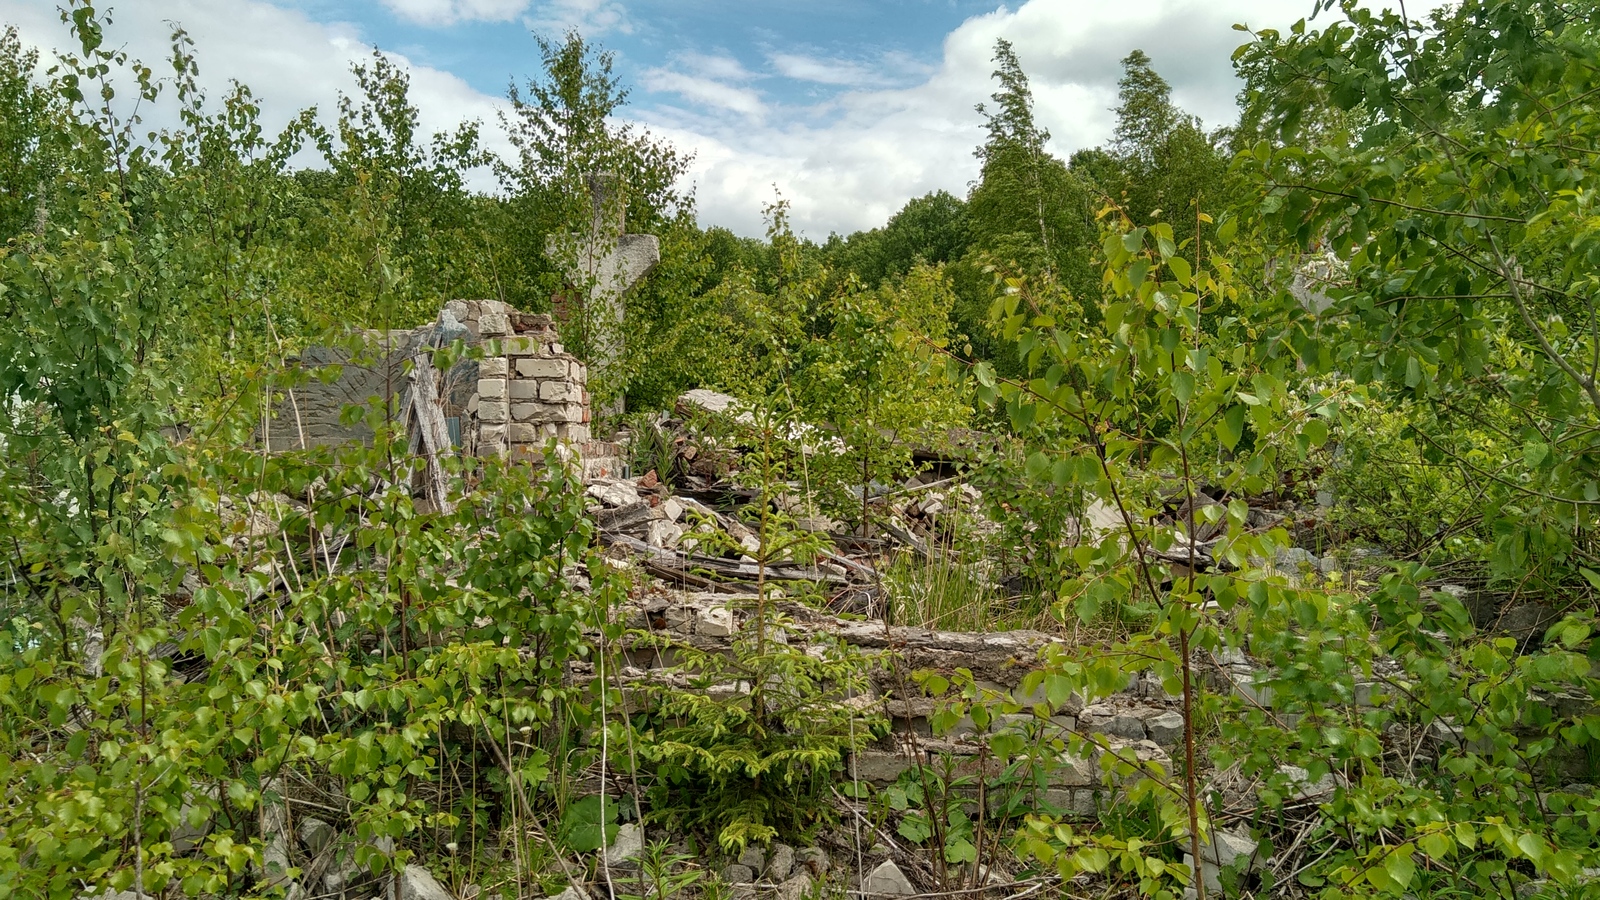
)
(753, 750)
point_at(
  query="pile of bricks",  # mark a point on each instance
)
(529, 389)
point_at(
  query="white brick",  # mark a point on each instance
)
(492, 411)
(523, 433)
(494, 324)
(492, 367)
(522, 346)
(558, 392)
(537, 367)
(492, 388)
(524, 390)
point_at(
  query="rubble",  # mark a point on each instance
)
(887, 879)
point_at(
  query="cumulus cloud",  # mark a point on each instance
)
(590, 17)
(846, 161)
(714, 82)
(449, 12)
(289, 61)
(850, 161)
(825, 70)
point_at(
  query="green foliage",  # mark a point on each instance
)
(754, 749)
(929, 229)
(1460, 207)
(24, 128)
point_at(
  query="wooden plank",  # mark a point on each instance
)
(424, 419)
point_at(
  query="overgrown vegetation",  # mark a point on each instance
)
(1360, 320)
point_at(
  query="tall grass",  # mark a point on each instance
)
(947, 592)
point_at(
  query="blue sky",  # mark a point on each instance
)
(803, 51)
(847, 108)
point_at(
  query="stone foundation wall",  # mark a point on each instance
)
(530, 390)
(524, 392)
(310, 414)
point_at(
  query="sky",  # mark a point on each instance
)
(847, 108)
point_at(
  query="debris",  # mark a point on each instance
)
(417, 883)
(887, 879)
(780, 862)
(626, 848)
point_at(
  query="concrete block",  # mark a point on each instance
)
(536, 367)
(533, 412)
(878, 766)
(887, 879)
(1165, 729)
(559, 392)
(522, 346)
(716, 621)
(626, 848)
(494, 325)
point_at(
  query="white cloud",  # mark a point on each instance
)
(717, 82)
(845, 163)
(853, 160)
(590, 17)
(823, 70)
(289, 61)
(706, 92)
(449, 12)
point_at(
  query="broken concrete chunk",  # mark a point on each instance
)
(663, 534)
(417, 883)
(634, 517)
(672, 508)
(813, 860)
(754, 858)
(715, 621)
(625, 849)
(613, 493)
(780, 862)
(888, 879)
(315, 834)
(705, 401)
(1165, 729)
(796, 888)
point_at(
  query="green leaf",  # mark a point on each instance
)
(1531, 846)
(961, 850)
(1590, 576)
(1182, 386)
(589, 824)
(1180, 270)
(1226, 231)
(1316, 431)
(1038, 465)
(984, 373)
(1230, 428)
(1400, 868)
(1534, 453)
(1061, 472)
(1436, 844)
